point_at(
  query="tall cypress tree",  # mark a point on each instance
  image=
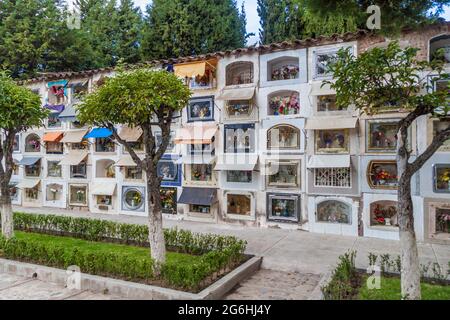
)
(187, 27)
(129, 32)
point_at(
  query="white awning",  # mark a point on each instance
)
(329, 161)
(237, 94)
(130, 134)
(329, 123)
(127, 161)
(196, 134)
(196, 159)
(74, 157)
(103, 188)
(241, 162)
(74, 136)
(28, 184)
(318, 90)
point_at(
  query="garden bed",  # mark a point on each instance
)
(349, 283)
(120, 251)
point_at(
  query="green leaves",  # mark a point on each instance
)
(388, 78)
(133, 97)
(20, 108)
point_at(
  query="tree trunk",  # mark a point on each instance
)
(7, 213)
(155, 222)
(410, 272)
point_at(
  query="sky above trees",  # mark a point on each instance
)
(253, 18)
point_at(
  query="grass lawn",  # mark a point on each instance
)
(390, 290)
(93, 247)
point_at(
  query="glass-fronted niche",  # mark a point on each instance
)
(322, 60)
(332, 141)
(32, 194)
(440, 42)
(382, 174)
(104, 145)
(78, 194)
(441, 177)
(383, 213)
(57, 94)
(54, 147)
(440, 221)
(133, 199)
(133, 173)
(169, 200)
(235, 176)
(239, 204)
(32, 143)
(381, 136)
(33, 170)
(105, 169)
(333, 211)
(79, 171)
(238, 73)
(327, 103)
(283, 207)
(439, 126)
(283, 174)
(239, 138)
(239, 109)
(54, 192)
(53, 121)
(197, 208)
(284, 68)
(283, 137)
(200, 173)
(168, 170)
(201, 109)
(283, 103)
(54, 170)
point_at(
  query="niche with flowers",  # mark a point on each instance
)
(285, 68)
(383, 213)
(382, 174)
(284, 103)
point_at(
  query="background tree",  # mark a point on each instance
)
(297, 19)
(188, 27)
(143, 99)
(20, 109)
(393, 78)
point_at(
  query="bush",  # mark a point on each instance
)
(102, 230)
(217, 253)
(344, 281)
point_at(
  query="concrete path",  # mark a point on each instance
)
(18, 288)
(285, 250)
(275, 285)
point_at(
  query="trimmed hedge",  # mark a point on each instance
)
(218, 253)
(104, 230)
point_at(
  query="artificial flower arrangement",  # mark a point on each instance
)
(283, 105)
(382, 215)
(444, 179)
(443, 222)
(285, 72)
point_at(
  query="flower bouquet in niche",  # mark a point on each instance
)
(384, 215)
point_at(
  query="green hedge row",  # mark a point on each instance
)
(101, 230)
(189, 276)
(218, 253)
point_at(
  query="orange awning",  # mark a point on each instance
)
(52, 136)
(193, 69)
(201, 134)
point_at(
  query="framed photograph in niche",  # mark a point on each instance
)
(235, 176)
(441, 177)
(283, 174)
(383, 213)
(382, 174)
(239, 204)
(332, 141)
(333, 211)
(284, 103)
(284, 137)
(283, 207)
(381, 136)
(201, 109)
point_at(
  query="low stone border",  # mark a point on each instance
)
(132, 290)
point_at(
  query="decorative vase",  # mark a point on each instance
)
(387, 221)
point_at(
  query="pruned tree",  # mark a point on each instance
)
(143, 99)
(20, 110)
(395, 79)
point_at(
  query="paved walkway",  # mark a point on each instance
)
(275, 285)
(285, 250)
(18, 288)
